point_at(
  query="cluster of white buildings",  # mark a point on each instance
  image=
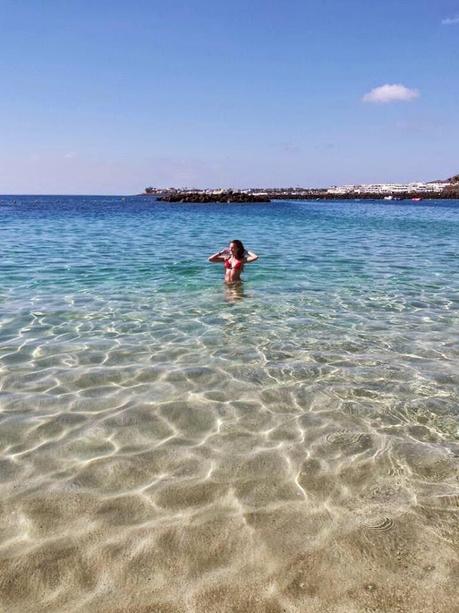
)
(389, 188)
(378, 189)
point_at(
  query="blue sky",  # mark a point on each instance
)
(110, 96)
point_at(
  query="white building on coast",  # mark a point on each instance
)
(389, 188)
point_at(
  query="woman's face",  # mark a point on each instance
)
(233, 249)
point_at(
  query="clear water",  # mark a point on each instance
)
(168, 441)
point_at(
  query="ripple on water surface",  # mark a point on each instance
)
(167, 442)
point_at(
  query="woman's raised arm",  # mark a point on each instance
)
(251, 257)
(217, 257)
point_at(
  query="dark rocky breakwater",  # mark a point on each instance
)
(202, 197)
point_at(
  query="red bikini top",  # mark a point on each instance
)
(237, 265)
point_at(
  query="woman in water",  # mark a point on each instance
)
(234, 258)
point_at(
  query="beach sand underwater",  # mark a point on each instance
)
(168, 444)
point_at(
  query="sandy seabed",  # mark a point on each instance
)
(278, 502)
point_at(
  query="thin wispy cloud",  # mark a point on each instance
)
(449, 21)
(391, 93)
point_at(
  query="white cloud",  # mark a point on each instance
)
(450, 20)
(391, 93)
(70, 155)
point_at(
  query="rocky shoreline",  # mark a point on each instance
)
(234, 196)
(203, 197)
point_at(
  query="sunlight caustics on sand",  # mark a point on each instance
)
(169, 444)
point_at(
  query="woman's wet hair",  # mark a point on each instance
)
(240, 250)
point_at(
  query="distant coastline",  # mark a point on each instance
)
(234, 196)
(447, 189)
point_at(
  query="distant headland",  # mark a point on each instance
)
(441, 189)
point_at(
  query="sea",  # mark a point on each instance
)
(170, 443)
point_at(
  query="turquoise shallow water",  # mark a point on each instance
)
(209, 444)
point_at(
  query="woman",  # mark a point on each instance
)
(234, 258)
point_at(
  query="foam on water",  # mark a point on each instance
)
(171, 444)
